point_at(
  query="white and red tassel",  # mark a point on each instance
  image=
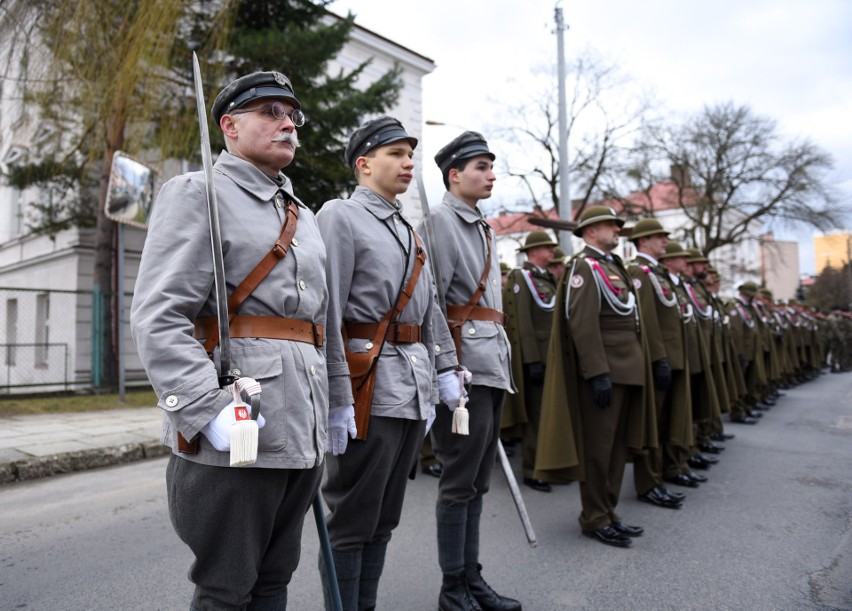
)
(461, 415)
(244, 430)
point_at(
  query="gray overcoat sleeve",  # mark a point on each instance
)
(340, 262)
(175, 280)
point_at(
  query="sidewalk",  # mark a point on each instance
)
(47, 444)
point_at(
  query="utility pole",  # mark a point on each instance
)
(848, 270)
(564, 210)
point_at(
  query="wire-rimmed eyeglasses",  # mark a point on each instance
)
(276, 111)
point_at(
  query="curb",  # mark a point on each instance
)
(69, 462)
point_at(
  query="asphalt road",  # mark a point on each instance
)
(771, 530)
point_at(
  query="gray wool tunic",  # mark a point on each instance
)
(175, 286)
(368, 243)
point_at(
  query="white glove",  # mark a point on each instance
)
(218, 430)
(341, 420)
(449, 389)
(430, 419)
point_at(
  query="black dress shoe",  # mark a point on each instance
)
(655, 496)
(610, 536)
(682, 480)
(678, 496)
(744, 420)
(709, 446)
(537, 484)
(696, 477)
(713, 460)
(754, 414)
(699, 461)
(628, 531)
(434, 470)
(721, 436)
(761, 407)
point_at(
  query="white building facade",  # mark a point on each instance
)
(46, 284)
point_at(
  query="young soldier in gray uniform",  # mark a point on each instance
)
(372, 255)
(243, 525)
(465, 254)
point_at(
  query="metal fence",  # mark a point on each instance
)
(55, 340)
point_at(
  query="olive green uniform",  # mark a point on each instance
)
(529, 297)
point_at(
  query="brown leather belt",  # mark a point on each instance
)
(269, 327)
(398, 333)
(463, 312)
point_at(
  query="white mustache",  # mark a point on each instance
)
(287, 137)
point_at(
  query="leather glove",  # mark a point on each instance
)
(449, 389)
(662, 374)
(602, 387)
(341, 420)
(218, 430)
(535, 372)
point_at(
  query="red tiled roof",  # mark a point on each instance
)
(517, 223)
(662, 196)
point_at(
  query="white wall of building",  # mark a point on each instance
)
(66, 262)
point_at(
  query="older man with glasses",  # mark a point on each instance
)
(243, 526)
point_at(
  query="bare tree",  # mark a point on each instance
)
(731, 172)
(832, 288)
(600, 123)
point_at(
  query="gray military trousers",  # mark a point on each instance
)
(244, 527)
(366, 484)
(468, 460)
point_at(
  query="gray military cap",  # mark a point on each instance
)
(254, 86)
(373, 134)
(467, 145)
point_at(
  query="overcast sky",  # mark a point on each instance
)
(789, 60)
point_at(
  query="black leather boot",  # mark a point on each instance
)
(456, 596)
(484, 594)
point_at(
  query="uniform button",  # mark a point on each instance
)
(171, 401)
(494, 281)
(368, 345)
(413, 359)
(472, 331)
(294, 242)
(279, 201)
(237, 372)
(313, 370)
(302, 285)
(437, 348)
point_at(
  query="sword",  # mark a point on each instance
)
(226, 374)
(442, 299)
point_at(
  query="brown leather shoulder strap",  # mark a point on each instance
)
(399, 306)
(483, 280)
(408, 291)
(261, 270)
